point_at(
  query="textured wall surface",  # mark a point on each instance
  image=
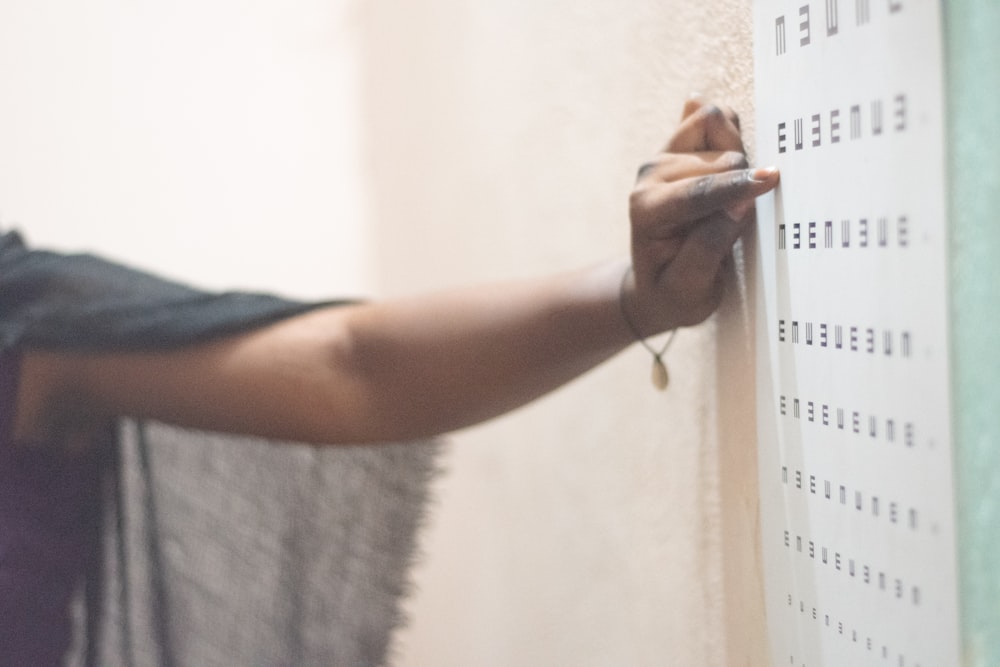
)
(607, 524)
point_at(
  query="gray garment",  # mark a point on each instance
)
(246, 552)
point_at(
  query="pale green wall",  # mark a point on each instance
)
(973, 61)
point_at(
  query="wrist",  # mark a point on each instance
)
(643, 319)
(626, 299)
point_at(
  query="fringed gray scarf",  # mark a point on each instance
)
(219, 549)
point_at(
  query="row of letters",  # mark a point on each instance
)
(860, 233)
(844, 630)
(832, 127)
(831, 489)
(859, 339)
(855, 570)
(824, 414)
(862, 16)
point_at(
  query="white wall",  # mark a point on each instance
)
(215, 141)
(607, 524)
(238, 143)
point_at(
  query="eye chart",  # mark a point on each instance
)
(857, 501)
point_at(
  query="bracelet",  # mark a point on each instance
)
(660, 376)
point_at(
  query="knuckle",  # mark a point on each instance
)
(738, 179)
(734, 160)
(654, 210)
(637, 200)
(642, 205)
(645, 169)
(701, 188)
(712, 112)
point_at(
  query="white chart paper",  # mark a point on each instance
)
(857, 500)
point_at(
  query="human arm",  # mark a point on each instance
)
(429, 364)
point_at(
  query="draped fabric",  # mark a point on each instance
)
(219, 549)
(82, 302)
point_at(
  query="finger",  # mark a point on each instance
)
(732, 117)
(662, 209)
(708, 128)
(699, 262)
(694, 102)
(739, 210)
(675, 166)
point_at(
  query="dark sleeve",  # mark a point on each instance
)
(82, 302)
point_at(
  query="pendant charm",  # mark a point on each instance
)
(660, 376)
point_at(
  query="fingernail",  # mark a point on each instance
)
(739, 210)
(762, 174)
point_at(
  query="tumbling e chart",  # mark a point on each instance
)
(857, 499)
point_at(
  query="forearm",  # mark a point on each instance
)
(383, 371)
(440, 362)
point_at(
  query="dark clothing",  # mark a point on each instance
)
(82, 302)
(296, 555)
(48, 506)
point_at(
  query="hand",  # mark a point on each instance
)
(689, 206)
